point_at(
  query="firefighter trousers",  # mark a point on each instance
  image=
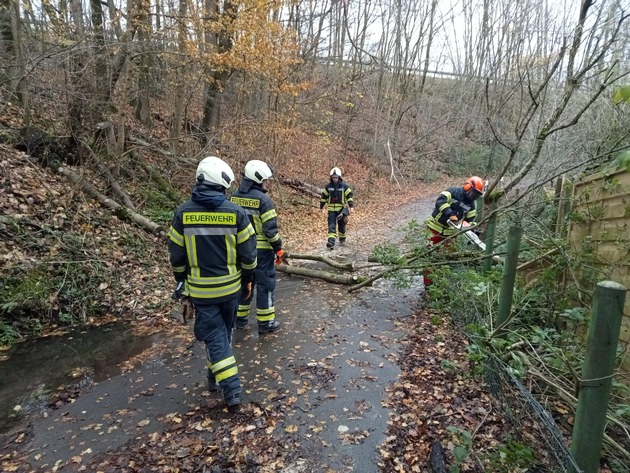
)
(213, 326)
(436, 238)
(332, 227)
(265, 288)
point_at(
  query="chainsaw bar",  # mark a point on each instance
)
(470, 235)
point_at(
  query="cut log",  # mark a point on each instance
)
(322, 259)
(347, 279)
(120, 211)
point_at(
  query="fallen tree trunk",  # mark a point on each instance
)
(302, 187)
(323, 259)
(113, 183)
(158, 179)
(326, 276)
(120, 211)
(172, 157)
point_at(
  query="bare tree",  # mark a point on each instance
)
(577, 75)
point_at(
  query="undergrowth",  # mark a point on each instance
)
(542, 343)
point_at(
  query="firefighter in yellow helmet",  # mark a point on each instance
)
(212, 247)
(337, 195)
(457, 205)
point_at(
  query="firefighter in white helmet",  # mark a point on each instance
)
(253, 196)
(212, 247)
(337, 195)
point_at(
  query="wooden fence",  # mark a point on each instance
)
(599, 231)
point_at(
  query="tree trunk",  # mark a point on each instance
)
(323, 259)
(78, 63)
(221, 42)
(143, 27)
(101, 92)
(156, 177)
(120, 211)
(303, 187)
(314, 273)
(180, 95)
(18, 72)
(6, 30)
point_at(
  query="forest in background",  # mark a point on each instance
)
(419, 87)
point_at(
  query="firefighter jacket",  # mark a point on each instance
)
(337, 196)
(452, 201)
(211, 245)
(262, 214)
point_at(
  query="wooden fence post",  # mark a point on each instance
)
(509, 275)
(480, 206)
(491, 229)
(564, 206)
(597, 371)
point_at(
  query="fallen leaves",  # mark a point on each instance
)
(429, 400)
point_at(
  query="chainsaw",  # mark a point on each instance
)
(469, 234)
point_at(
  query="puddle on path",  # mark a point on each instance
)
(36, 368)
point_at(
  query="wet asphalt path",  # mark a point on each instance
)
(329, 367)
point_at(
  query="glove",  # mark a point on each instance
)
(279, 256)
(179, 289)
(247, 282)
(454, 220)
(246, 290)
(187, 310)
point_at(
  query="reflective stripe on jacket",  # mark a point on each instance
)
(452, 201)
(336, 196)
(209, 246)
(262, 213)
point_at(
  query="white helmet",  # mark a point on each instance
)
(257, 171)
(215, 171)
(335, 172)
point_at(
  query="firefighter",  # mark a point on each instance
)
(212, 249)
(253, 196)
(457, 205)
(337, 195)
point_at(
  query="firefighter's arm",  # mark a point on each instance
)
(443, 206)
(324, 198)
(470, 216)
(246, 253)
(245, 243)
(269, 220)
(349, 198)
(177, 249)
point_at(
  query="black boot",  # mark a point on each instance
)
(268, 327)
(233, 402)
